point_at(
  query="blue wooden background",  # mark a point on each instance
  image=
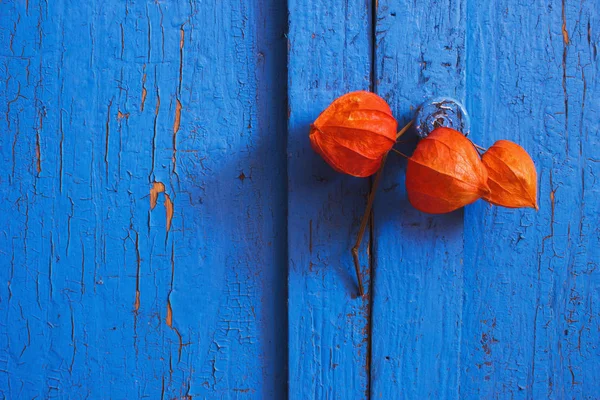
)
(167, 232)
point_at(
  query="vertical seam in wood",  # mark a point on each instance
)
(286, 200)
(370, 304)
(371, 258)
(373, 43)
(465, 100)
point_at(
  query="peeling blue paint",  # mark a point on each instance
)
(102, 297)
(150, 234)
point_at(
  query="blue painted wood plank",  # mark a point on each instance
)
(418, 272)
(329, 55)
(531, 327)
(106, 108)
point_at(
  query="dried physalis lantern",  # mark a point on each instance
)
(445, 173)
(511, 176)
(354, 133)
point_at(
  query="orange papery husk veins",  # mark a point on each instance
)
(445, 173)
(354, 133)
(511, 176)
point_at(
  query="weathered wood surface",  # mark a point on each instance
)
(329, 55)
(531, 322)
(143, 199)
(144, 243)
(489, 302)
(418, 271)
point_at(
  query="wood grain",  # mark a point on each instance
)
(518, 321)
(143, 199)
(417, 300)
(329, 55)
(153, 203)
(530, 320)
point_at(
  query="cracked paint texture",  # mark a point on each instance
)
(485, 302)
(150, 236)
(134, 263)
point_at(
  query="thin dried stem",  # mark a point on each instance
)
(407, 140)
(363, 227)
(399, 152)
(479, 147)
(367, 214)
(403, 130)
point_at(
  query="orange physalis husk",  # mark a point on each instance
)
(445, 173)
(354, 133)
(511, 176)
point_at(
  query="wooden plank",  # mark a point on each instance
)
(329, 55)
(110, 107)
(417, 289)
(531, 326)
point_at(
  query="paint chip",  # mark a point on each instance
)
(169, 209)
(159, 187)
(169, 318)
(177, 121)
(121, 115)
(136, 305)
(144, 91)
